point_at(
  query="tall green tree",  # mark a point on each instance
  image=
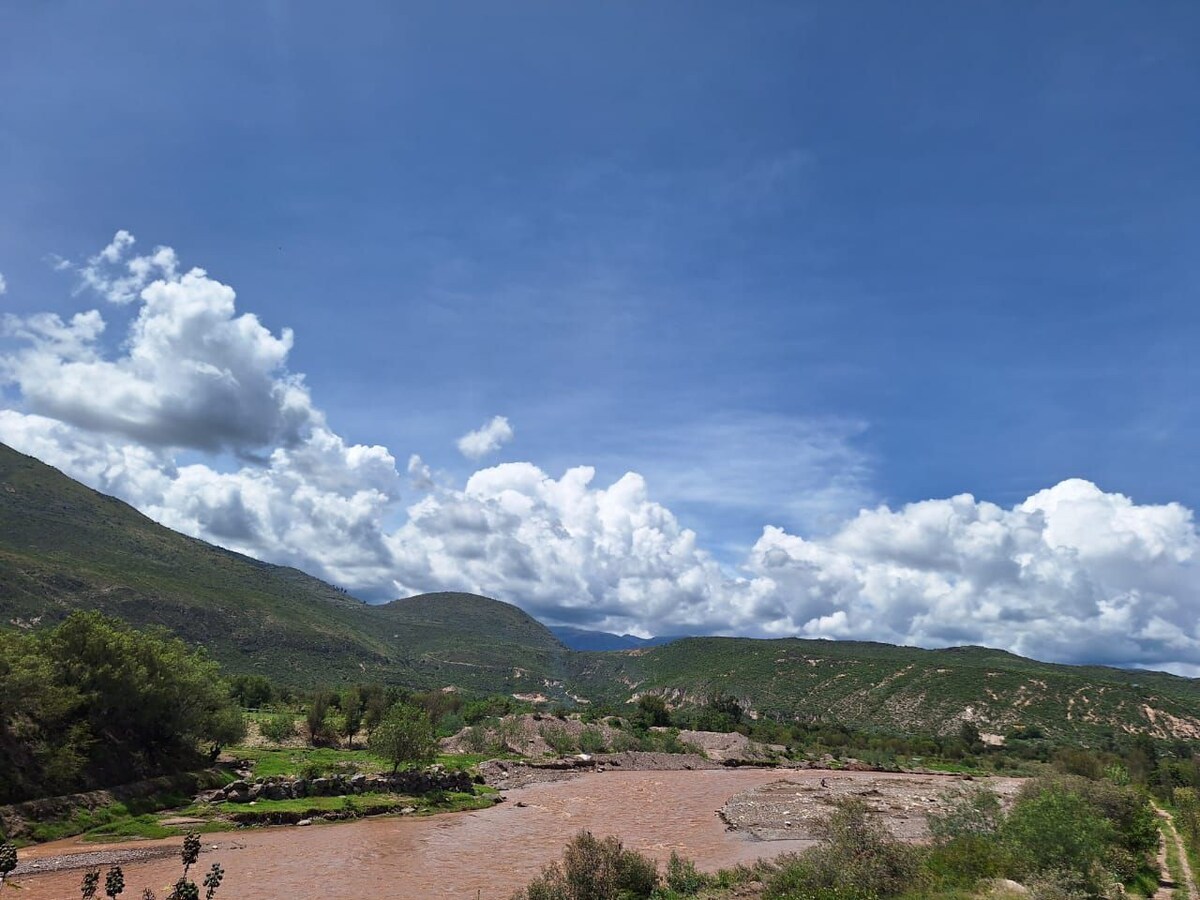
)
(404, 737)
(93, 701)
(352, 714)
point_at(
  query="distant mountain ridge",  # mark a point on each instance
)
(64, 546)
(583, 639)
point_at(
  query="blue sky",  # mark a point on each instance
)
(785, 260)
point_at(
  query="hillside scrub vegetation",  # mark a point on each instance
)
(93, 702)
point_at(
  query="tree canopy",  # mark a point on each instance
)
(93, 701)
(404, 737)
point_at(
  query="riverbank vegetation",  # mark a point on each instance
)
(92, 702)
(1065, 838)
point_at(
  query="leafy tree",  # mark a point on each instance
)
(375, 707)
(251, 691)
(92, 701)
(149, 693)
(652, 710)
(722, 712)
(404, 737)
(316, 719)
(352, 714)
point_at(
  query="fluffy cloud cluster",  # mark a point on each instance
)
(599, 556)
(1073, 573)
(488, 438)
(194, 373)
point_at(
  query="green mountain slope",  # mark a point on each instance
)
(905, 688)
(64, 546)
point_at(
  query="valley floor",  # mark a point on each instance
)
(491, 852)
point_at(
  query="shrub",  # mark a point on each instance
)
(476, 739)
(977, 812)
(594, 869)
(559, 739)
(683, 877)
(1056, 830)
(591, 740)
(856, 859)
(183, 889)
(962, 861)
(509, 734)
(279, 727)
(625, 742)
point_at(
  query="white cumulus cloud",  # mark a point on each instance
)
(1073, 573)
(3, 284)
(192, 372)
(488, 438)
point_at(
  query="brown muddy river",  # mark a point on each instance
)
(485, 854)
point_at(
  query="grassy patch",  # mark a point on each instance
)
(83, 821)
(309, 762)
(149, 827)
(353, 805)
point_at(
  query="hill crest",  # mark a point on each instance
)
(64, 546)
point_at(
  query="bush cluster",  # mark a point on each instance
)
(1065, 837)
(94, 702)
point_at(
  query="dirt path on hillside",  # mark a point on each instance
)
(1168, 888)
(488, 853)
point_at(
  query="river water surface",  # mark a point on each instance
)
(485, 854)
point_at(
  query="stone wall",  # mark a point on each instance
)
(280, 788)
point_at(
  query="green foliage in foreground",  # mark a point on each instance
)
(1066, 838)
(93, 701)
(183, 889)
